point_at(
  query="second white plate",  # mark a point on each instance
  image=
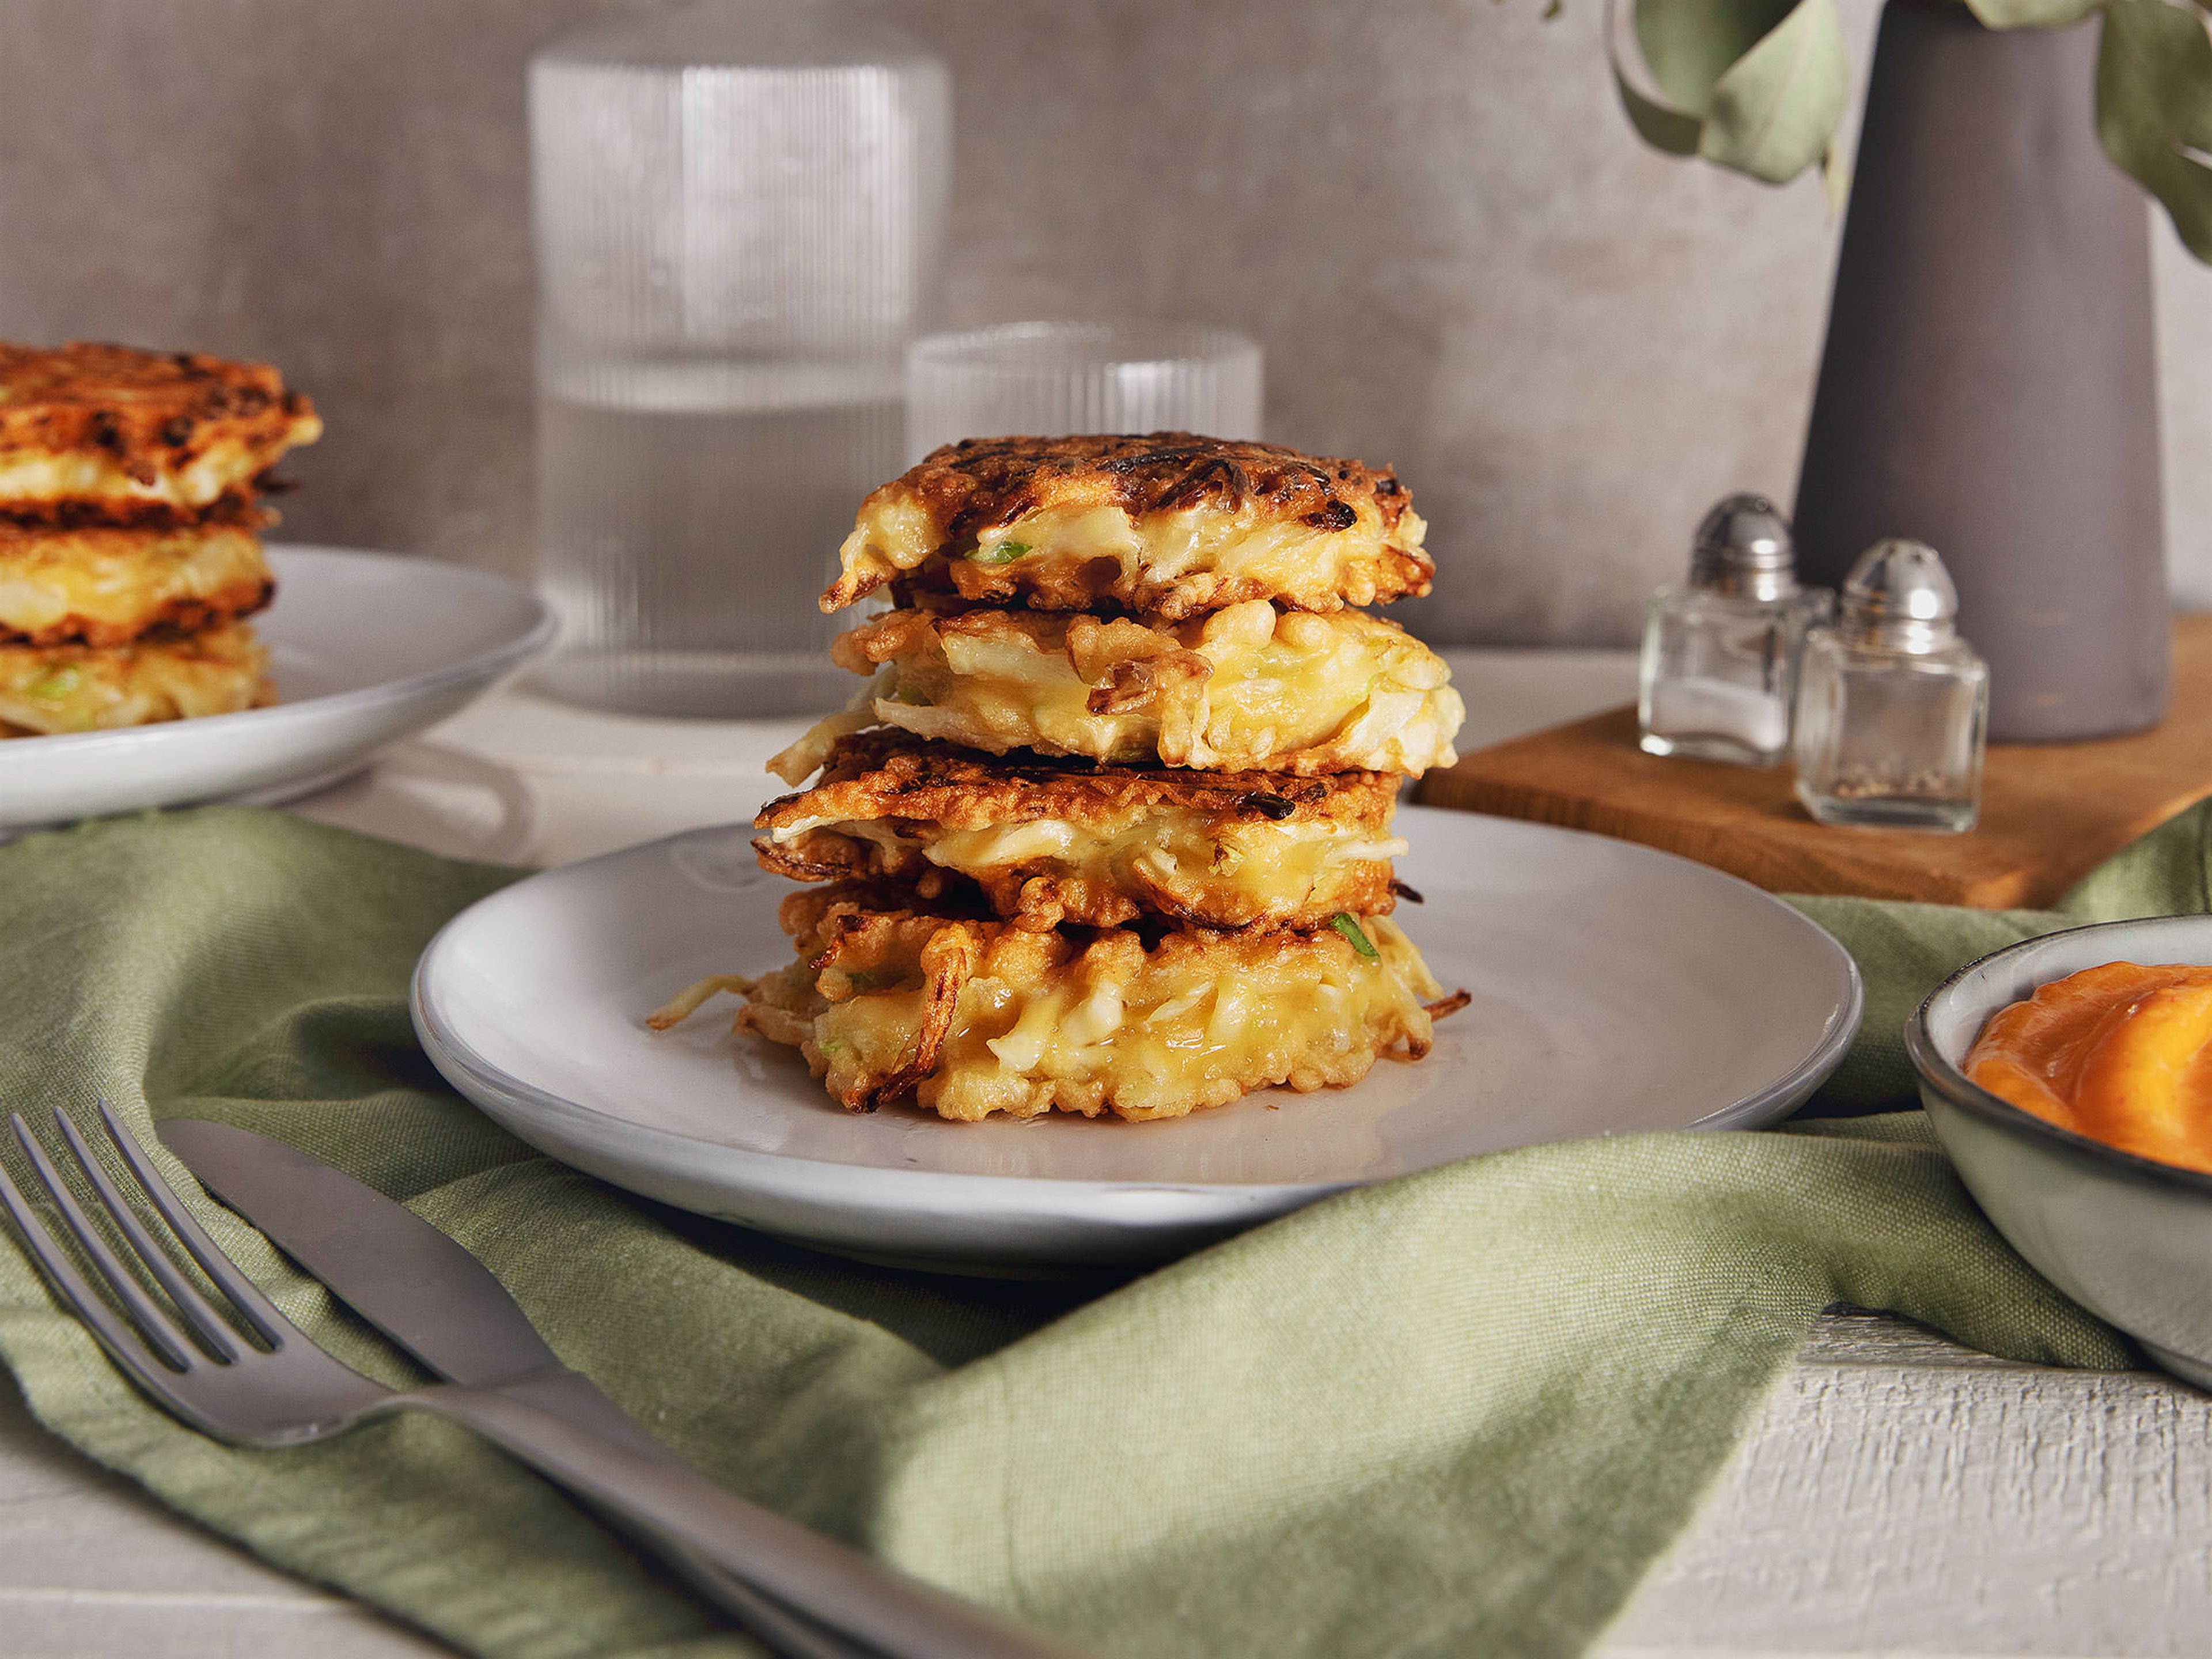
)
(366, 647)
(1615, 988)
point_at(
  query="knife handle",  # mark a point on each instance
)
(788, 1634)
(574, 1396)
(840, 1589)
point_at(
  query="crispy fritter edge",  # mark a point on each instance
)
(896, 777)
(981, 482)
(179, 615)
(823, 922)
(920, 778)
(148, 410)
(175, 618)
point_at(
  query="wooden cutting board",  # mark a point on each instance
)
(2050, 812)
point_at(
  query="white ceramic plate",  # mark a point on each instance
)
(1615, 988)
(366, 647)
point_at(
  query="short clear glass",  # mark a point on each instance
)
(1049, 380)
(739, 209)
(1893, 706)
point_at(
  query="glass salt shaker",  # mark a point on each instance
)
(1721, 652)
(1893, 706)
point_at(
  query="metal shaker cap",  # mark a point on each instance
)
(1744, 550)
(1899, 597)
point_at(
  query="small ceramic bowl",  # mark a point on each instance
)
(2129, 1239)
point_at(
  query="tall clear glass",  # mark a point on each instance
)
(1049, 380)
(739, 211)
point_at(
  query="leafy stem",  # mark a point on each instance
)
(1760, 86)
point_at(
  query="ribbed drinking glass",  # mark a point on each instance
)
(739, 211)
(1049, 380)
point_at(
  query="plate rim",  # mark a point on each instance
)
(451, 1052)
(483, 664)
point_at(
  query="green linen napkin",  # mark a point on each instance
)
(1460, 1413)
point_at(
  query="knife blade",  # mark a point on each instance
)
(434, 1299)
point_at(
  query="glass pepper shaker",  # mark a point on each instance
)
(1721, 652)
(1892, 704)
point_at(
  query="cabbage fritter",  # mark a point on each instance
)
(974, 1017)
(1248, 688)
(99, 585)
(45, 690)
(109, 434)
(1168, 524)
(1046, 842)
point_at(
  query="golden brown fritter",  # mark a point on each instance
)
(976, 1016)
(1047, 843)
(102, 585)
(1248, 688)
(47, 690)
(1169, 523)
(107, 434)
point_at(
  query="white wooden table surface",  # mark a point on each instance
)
(1900, 1495)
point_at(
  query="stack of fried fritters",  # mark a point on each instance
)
(1109, 828)
(129, 550)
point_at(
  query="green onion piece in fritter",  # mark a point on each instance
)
(1004, 553)
(1343, 924)
(52, 688)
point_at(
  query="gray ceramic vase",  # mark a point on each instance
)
(1989, 385)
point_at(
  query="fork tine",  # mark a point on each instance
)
(267, 1320)
(135, 1350)
(160, 1332)
(206, 1324)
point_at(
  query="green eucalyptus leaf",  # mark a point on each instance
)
(2032, 14)
(1661, 128)
(1836, 180)
(2155, 107)
(1689, 45)
(1776, 110)
(2156, 58)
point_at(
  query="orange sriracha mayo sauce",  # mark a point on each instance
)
(2121, 1053)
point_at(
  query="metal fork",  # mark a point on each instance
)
(281, 1390)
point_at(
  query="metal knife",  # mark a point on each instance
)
(443, 1306)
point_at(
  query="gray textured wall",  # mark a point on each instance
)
(1458, 255)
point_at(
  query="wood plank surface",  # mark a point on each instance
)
(2050, 812)
(92, 1568)
(1904, 1495)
